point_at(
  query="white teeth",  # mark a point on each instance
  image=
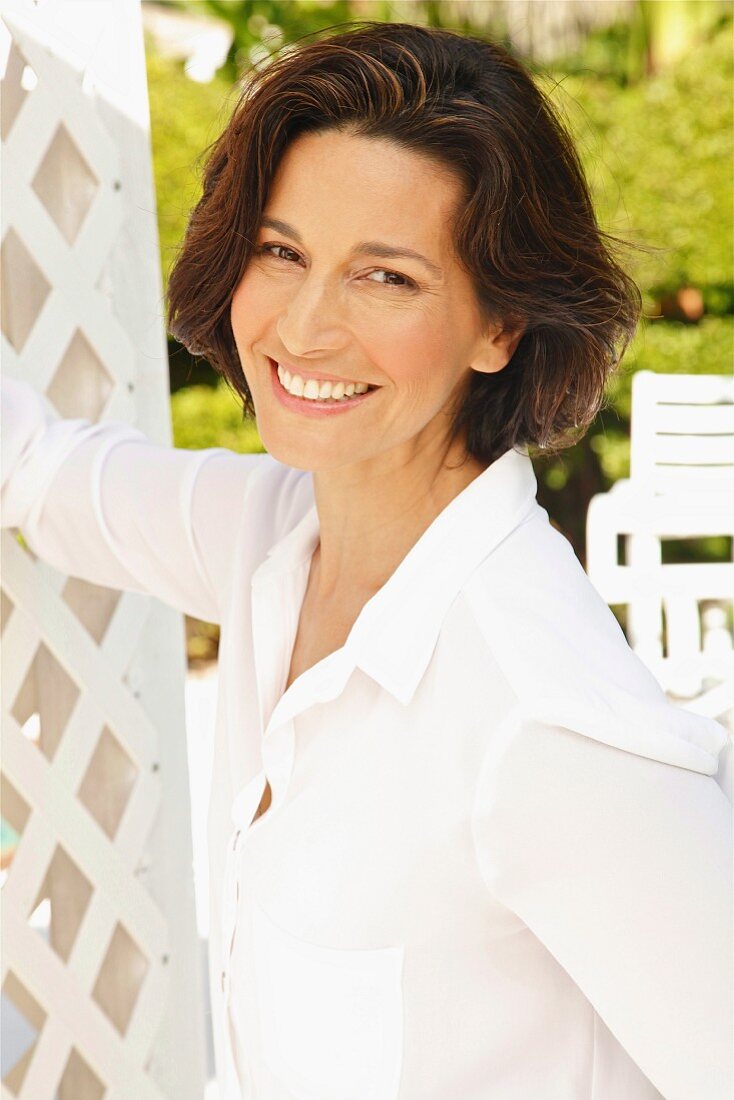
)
(315, 389)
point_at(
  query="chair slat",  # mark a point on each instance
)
(712, 581)
(686, 479)
(695, 419)
(695, 450)
(697, 388)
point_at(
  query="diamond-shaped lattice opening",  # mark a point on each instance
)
(108, 782)
(79, 1081)
(61, 903)
(18, 80)
(13, 819)
(6, 606)
(25, 290)
(120, 978)
(65, 184)
(93, 605)
(81, 385)
(45, 701)
(21, 1022)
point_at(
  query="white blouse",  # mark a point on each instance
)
(496, 865)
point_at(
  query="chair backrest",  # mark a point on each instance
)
(682, 433)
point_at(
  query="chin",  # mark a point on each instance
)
(312, 459)
(294, 452)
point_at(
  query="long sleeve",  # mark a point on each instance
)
(621, 866)
(104, 503)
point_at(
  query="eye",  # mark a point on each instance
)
(406, 283)
(289, 256)
(264, 249)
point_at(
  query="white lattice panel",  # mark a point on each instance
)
(101, 984)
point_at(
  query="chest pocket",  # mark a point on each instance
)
(331, 1020)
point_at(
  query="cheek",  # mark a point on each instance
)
(419, 353)
(250, 308)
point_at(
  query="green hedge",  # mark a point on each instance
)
(185, 118)
(205, 416)
(659, 157)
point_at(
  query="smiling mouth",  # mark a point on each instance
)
(322, 390)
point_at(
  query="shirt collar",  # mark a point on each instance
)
(396, 632)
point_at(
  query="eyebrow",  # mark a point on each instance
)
(365, 248)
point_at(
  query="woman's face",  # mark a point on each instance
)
(354, 281)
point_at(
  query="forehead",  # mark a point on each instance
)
(360, 187)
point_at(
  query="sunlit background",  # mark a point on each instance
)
(646, 88)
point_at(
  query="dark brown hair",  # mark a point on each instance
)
(527, 233)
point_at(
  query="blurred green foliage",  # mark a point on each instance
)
(185, 118)
(261, 27)
(206, 416)
(657, 150)
(654, 34)
(658, 155)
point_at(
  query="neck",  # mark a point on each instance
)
(371, 514)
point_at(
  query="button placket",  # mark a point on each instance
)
(230, 902)
(229, 908)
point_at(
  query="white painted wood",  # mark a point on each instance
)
(681, 485)
(84, 671)
(689, 397)
(691, 450)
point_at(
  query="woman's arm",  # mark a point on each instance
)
(621, 865)
(104, 503)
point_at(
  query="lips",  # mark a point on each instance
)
(314, 407)
(321, 376)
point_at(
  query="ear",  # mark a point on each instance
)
(495, 349)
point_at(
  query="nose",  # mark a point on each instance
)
(312, 322)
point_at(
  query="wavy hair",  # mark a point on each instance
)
(527, 233)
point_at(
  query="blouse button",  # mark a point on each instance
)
(225, 983)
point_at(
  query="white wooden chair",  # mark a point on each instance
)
(680, 487)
